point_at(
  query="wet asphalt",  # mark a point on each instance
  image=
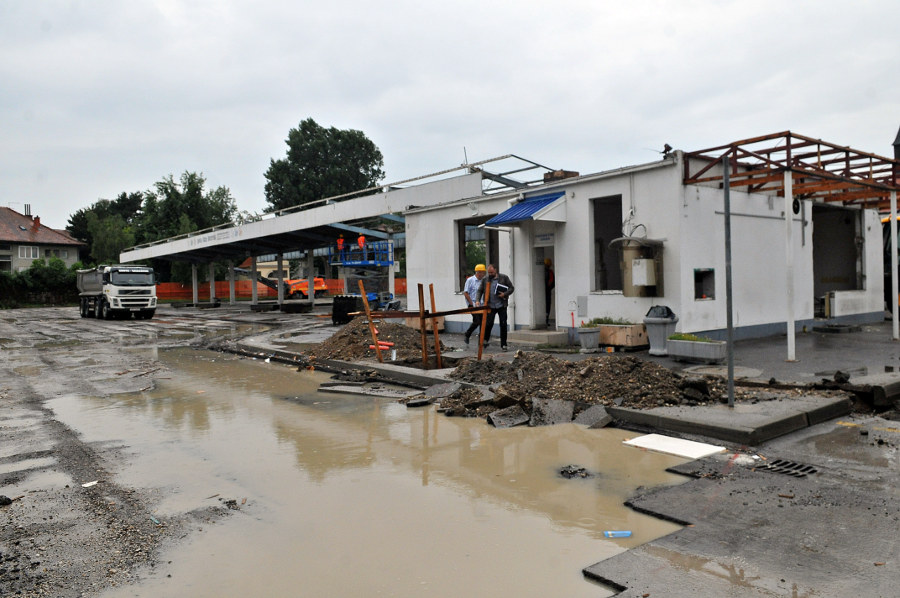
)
(813, 511)
(753, 526)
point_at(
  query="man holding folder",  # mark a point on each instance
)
(500, 290)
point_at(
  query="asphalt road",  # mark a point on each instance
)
(751, 532)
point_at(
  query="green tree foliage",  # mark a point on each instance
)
(181, 207)
(124, 210)
(178, 208)
(322, 163)
(109, 237)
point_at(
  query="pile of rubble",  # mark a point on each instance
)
(353, 341)
(603, 380)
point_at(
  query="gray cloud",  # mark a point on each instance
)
(100, 97)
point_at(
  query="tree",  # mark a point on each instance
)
(109, 237)
(322, 163)
(125, 210)
(177, 208)
(181, 207)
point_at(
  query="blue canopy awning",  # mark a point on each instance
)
(525, 210)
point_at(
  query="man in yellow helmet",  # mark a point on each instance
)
(469, 291)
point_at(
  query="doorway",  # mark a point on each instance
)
(837, 253)
(544, 312)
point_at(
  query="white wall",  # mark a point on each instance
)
(432, 252)
(651, 197)
(759, 266)
(690, 223)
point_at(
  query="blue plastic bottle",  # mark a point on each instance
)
(617, 534)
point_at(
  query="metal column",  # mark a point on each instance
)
(231, 299)
(729, 298)
(893, 229)
(212, 282)
(194, 284)
(789, 261)
(254, 275)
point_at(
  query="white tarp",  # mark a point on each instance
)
(675, 446)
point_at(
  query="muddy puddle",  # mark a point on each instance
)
(343, 495)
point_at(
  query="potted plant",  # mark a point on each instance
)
(690, 347)
(589, 335)
(621, 333)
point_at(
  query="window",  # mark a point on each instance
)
(28, 252)
(476, 246)
(5, 247)
(704, 283)
(607, 213)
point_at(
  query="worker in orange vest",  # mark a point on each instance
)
(340, 246)
(361, 241)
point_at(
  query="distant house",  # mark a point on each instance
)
(24, 239)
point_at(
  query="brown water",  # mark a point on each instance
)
(355, 496)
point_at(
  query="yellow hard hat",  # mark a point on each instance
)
(480, 268)
(548, 262)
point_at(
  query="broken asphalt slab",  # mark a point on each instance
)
(744, 424)
(759, 531)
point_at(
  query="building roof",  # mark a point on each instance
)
(19, 229)
(819, 170)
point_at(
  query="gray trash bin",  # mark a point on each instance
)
(660, 322)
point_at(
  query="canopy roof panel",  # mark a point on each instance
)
(524, 210)
(820, 170)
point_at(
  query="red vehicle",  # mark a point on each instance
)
(299, 289)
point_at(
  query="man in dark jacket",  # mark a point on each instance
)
(500, 290)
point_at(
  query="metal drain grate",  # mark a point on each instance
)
(791, 468)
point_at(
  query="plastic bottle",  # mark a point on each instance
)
(617, 534)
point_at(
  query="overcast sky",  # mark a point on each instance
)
(100, 97)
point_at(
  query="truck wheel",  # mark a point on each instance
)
(102, 310)
(298, 295)
(83, 306)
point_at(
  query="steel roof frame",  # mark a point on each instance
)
(819, 170)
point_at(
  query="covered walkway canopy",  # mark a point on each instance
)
(317, 225)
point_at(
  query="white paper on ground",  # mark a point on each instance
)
(674, 446)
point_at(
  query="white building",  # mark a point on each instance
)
(625, 240)
(806, 240)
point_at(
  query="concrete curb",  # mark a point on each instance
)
(758, 422)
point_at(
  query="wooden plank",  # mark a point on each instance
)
(372, 330)
(422, 325)
(434, 330)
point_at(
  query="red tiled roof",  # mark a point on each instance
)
(23, 230)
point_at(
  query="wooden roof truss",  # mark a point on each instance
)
(820, 170)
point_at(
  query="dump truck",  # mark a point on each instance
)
(108, 292)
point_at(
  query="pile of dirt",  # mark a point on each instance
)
(603, 380)
(353, 341)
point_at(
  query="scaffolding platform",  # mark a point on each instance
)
(376, 253)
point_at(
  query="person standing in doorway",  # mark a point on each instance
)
(549, 285)
(500, 290)
(470, 290)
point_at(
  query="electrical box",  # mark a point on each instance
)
(643, 272)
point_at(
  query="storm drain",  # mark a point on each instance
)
(791, 468)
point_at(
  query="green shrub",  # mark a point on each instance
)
(680, 336)
(604, 321)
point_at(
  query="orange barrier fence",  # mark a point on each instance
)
(243, 289)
